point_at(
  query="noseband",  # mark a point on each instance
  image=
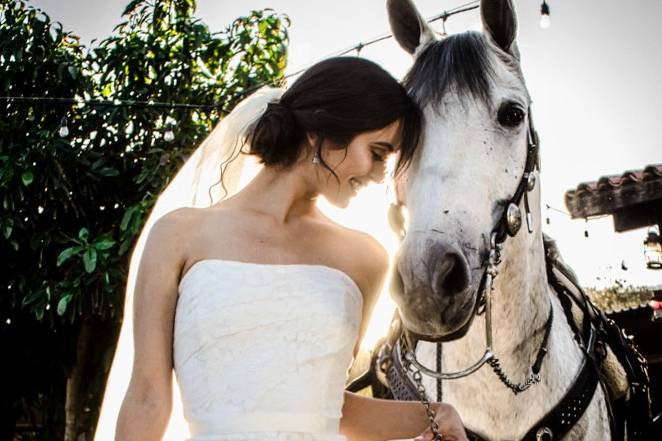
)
(508, 225)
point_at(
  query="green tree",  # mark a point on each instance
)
(72, 205)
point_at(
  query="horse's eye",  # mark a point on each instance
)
(510, 115)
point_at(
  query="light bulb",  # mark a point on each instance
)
(169, 135)
(64, 130)
(545, 21)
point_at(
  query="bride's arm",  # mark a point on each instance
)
(372, 419)
(147, 404)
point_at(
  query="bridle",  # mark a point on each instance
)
(593, 334)
(508, 225)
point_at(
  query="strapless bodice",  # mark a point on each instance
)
(262, 350)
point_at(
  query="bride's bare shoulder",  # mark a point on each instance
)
(361, 250)
(169, 230)
(178, 219)
(187, 222)
(191, 229)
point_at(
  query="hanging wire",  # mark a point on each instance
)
(586, 219)
(105, 103)
(152, 104)
(558, 210)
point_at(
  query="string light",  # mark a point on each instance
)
(653, 249)
(222, 107)
(112, 103)
(443, 28)
(64, 130)
(545, 20)
(169, 135)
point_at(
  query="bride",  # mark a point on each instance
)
(254, 298)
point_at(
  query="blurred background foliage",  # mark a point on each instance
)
(620, 296)
(72, 205)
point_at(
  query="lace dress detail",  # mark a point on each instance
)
(262, 350)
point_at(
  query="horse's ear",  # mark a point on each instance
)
(409, 28)
(500, 24)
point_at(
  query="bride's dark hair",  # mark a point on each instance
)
(336, 99)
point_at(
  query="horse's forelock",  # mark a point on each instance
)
(461, 62)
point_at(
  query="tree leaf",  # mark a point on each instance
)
(66, 255)
(27, 178)
(39, 312)
(7, 229)
(32, 297)
(83, 233)
(104, 244)
(90, 260)
(108, 171)
(62, 304)
(126, 218)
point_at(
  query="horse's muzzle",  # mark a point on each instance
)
(432, 289)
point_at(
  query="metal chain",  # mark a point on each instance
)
(439, 368)
(422, 396)
(534, 370)
(517, 388)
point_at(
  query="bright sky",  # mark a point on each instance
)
(594, 78)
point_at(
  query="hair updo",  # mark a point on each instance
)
(336, 99)
(277, 136)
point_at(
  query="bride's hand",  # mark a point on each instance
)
(449, 422)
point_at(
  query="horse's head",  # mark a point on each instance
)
(466, 171)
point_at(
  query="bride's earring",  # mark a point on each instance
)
(316, 158)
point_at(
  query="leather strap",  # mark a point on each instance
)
(558, 421)
(532, 163)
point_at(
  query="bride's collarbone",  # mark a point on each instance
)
(246, 239)
(262, 248)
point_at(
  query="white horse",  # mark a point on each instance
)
(472, 159)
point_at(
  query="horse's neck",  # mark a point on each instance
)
(520, 308)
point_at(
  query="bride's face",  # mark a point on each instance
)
(363, 161)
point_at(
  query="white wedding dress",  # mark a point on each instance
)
(261, 351)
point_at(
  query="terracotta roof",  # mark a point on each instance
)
(629, 309)
(614, 192)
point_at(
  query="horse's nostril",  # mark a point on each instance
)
(452, 274)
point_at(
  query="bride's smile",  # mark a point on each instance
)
(361, 162)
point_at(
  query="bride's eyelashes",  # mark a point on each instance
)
(379, 155)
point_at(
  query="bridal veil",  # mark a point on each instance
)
(196, 184)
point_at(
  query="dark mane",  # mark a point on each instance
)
(459, 62)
